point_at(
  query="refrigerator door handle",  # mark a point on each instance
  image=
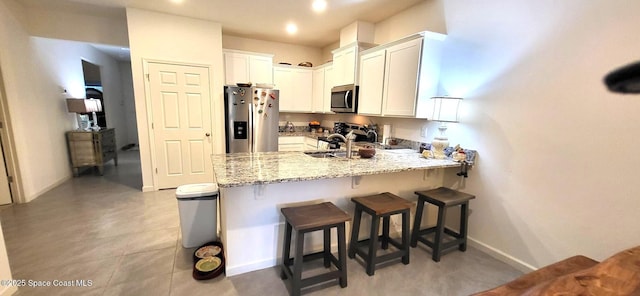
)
(252, 129)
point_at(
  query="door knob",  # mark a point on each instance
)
(207, 134)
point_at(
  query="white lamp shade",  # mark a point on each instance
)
(83, 105)
(93, 105)
(445, 109)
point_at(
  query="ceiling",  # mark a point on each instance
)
(257, 19)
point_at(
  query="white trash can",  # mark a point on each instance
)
(197, 205)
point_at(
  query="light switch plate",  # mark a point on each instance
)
(423, 131)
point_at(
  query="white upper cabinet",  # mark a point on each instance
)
(344, 65)
(371, 82)
(322, 84)
(399, 79)
(296, 88)
(241, 66)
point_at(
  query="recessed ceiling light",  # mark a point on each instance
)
(177, 1)
(292, 28)
(319, 5)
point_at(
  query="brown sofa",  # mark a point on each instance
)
(579, 275)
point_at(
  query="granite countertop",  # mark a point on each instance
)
(241, 169)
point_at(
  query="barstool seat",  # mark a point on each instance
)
(304, 219)
(443, 198)
(378, 206)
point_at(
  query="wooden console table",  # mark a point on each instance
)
(92, 148)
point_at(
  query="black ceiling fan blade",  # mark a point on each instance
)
(624, 80)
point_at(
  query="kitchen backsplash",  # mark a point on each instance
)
(407, 131)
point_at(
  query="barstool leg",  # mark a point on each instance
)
(417, 223)
(405, 236)
(437, 243)
(373, 245)
(385, 232)
(342, 255)
(286, 250)
(355, 230)
(464, 219)
(327, 247)
(296, 281)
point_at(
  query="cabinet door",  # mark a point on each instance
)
(283, 80)
(338, 68)
(317, 97)
(303, 89)
(296, 88)
(328, 84)
(371, 83)
(401, 78)
(261, 69)
(344, 63)
(291, 143)
(310, 144)
(236, 68)
(349, 74)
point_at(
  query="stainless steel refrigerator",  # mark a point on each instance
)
(251, 116)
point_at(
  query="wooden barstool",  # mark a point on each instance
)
(443, 198)
(306, 219)
(381, 205)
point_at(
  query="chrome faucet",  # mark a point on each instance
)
(374, 134)
(347, 139)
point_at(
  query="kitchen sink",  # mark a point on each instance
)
(326, 154)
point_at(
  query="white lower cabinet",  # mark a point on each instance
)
(296, 143)
(287, 143)
(310, 143)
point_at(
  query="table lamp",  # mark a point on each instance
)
(445, 109)
(85, 106)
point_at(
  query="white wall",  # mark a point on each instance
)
(283, 52)
(557, 171)
(129, 103)
(78, 23)
(61, 60)
(156, 36)
(425, 16)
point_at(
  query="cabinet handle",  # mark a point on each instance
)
(207, 134)
(346, 99)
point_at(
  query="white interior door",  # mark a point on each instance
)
(5, 192)
(181, 106)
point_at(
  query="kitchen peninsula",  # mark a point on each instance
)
(254, 186)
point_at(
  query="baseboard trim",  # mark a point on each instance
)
(43, 191)
(502, 256)
(257, 265)
(147, 189)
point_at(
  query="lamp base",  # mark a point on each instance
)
(95, 126)
(438, 145)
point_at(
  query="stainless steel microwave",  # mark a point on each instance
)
(344, 98)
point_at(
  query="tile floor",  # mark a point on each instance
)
(104, 230)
